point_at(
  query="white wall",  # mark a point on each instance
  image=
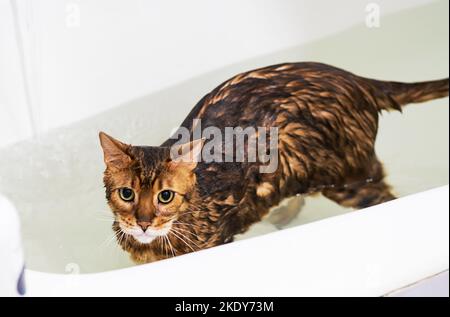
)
(123, 49)
(14, 123)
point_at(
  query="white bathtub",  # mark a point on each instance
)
(388, 249)
(54, 180)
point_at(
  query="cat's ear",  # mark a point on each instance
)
(186, 155)
(115, 152)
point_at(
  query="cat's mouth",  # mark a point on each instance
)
(147, 236)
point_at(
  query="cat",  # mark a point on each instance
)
(327, 122)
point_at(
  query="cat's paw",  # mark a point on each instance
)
(283, 214)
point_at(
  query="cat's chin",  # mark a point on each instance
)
(144, 238)
(148, 236)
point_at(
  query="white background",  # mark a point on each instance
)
(121, 50)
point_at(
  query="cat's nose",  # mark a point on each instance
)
(144, 225)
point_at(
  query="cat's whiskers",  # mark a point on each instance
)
(184, 236)
(117, 236)
(182, 240)
(160, 241)
(104, 242)
(105, 217)
(165, 247)
(185, 223)
(123, 236)
(112, 238)
(109, 239)
(192, 232)
(170, 244)
(194, 211)
(187, 231)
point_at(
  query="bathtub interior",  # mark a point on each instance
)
(55, 179)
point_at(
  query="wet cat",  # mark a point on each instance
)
(326, 121)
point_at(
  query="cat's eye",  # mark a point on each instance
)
(166, 196)
(126, 194)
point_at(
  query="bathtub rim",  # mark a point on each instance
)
(345, 280)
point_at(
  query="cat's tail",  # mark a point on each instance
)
(401, 94)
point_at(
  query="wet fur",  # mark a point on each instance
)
(327, 120)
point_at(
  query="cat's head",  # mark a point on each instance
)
(146, 189)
